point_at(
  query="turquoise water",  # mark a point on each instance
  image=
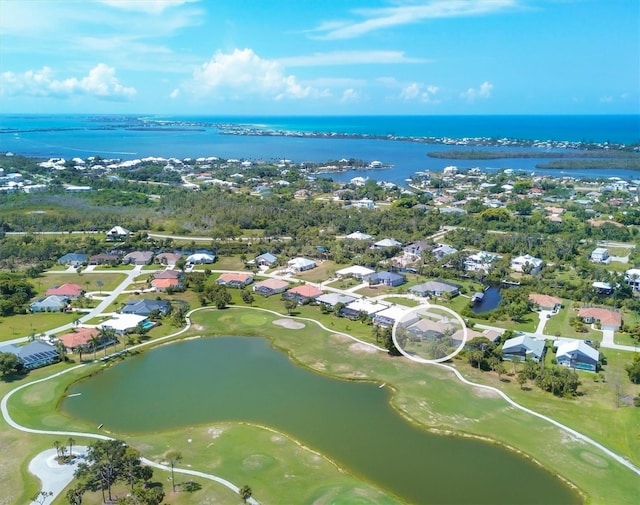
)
(244, 379)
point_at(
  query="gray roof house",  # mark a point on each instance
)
(53, 303)
(146, 307)
(34, 354)
(266, 259)
(435, 288)
(523, 347)
(332, 299)
(138, 258)
(386, 279)
(72, 259)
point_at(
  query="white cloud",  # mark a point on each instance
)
(606, 99)
(370, 20)
(350, 95)
(419, 92)
(481, 92)
(146, 6)
(348, 58)
(174, 94)
(243, 73)
(100, 82)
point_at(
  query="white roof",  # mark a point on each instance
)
(396, 312)
(365, 306)
(123, 322)
(357, 235)
(118, 230)
(568, 347)
(387, 242)
(300, 262)
(633, 271)
(356, 270)
(527, 258)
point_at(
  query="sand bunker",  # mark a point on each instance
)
(359, 347)
(289, 324)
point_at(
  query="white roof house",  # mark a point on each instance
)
(118, 232)
(577, 354)
(301, 264)
(356, 271)
(123, 322)
(387, 242)
(357, 235)
(521, 263)
(600, 255)
(366, 306)
(199, 258)
(632, 277)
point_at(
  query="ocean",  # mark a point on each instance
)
(108, 136)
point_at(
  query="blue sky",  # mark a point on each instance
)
(290, 57)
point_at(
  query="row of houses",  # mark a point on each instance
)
(570, 353)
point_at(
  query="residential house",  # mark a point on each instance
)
(138, 258)
(364, 203)
(602, 288)
(387, 318)
(386, 279)
(416, 249)
(481, 261)
(527, 264)
(442, 250)
(428, 329)
(301, 264)
(73, 259)
(333, 299)
(34, 354)
(117, 233)
(435, 288)
(356, 272)
(266, 260)
(146, 307)
(70, 291)
(168, 274)
(79, 338)
(201, 258)
(53, 303)
(577, 354)
(357, 235)
(545, 302)
(386, 243)
(269, 287)
(235, 280)
(608, 319)
(304, 293)
(164, 284)
(168, 258)
(632, 277)
(600, 255)
(123, 323)
(104, 258)
(523, 347)
(358, 306)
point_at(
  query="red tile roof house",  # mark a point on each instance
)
(71, 291)
(608, 319)
(303, 294)
(164, 284)
(545, 302)
(79, 338)
(234, 280)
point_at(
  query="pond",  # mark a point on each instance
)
(244, 379)
(490, 300)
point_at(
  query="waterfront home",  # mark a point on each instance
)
(138, 258)
(235, 280)
(607, 318)
(72, 259)
(117, 233)
(34, 354)
(79, 338)
(304, 293)
(301, 264)
(200, 258)
(523, 347)
(435, 288)
(386, 279)
(123, 323)
(333, 299)
(356, 272)
(545, 302)
(480, 261)
(146, 307)
(270, 287)
(70, 291)
(527, 264)
(266, 260)
(53, 303)
(577, 354)
(600, 255)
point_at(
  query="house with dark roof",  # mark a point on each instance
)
(104, 258)
(386, 279)
(523, 347)
(73, 259)
(34, 354)
(435, 288)
(146, 307)
(269, 287)
(53, 303)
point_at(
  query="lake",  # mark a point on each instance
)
(244, 379)
(490, 300)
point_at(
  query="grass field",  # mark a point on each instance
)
(89, 281)
(292, 474)
(559, 324)
(23, 325)
(322, 272)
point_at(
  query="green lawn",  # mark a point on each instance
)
(344, 283)
(559, 324)
(89, 281)
(322, 272)
(402, 301)
(23, 325)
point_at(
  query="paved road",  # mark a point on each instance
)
(53, 476)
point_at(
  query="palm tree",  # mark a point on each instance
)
(95, 342)
(70, 441)
(174, 457)
(245, 493)
(56, 444)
